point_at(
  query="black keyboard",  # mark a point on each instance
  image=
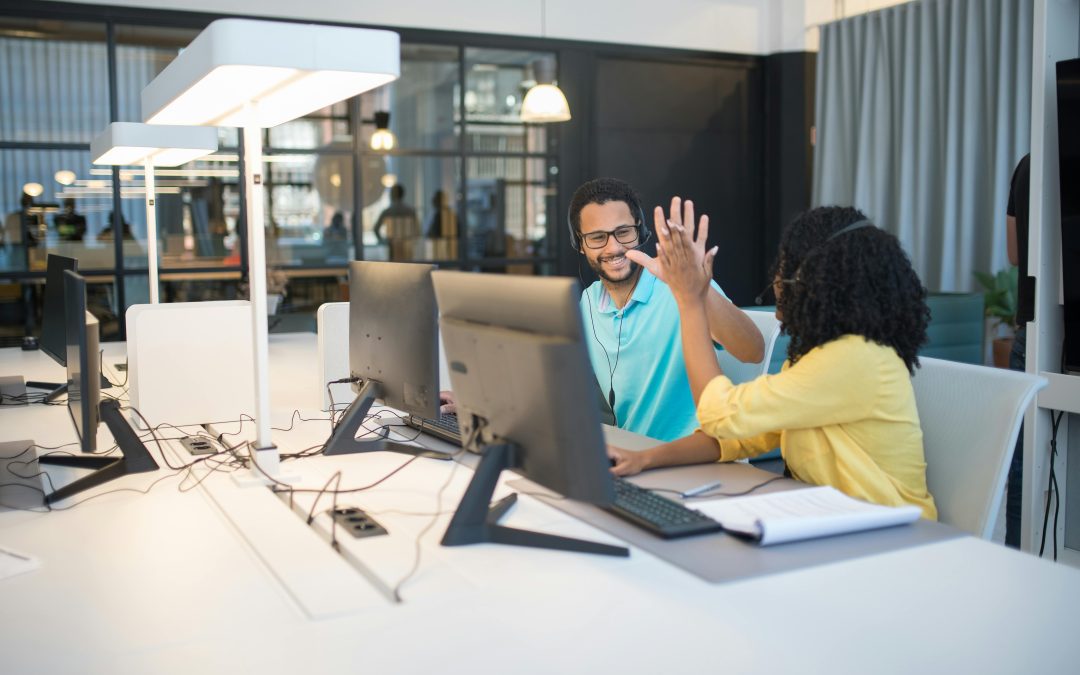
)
(444, 427)
(661, 516)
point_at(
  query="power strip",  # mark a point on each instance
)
(357, 522)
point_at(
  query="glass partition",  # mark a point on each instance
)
(54, 81)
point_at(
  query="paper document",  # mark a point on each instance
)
(803, 514)
(13, 562)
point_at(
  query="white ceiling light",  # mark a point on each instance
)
(383, 140)
(257, 74)
(65, 176)
(33, 189)
(228, 76)
(126, 143)
(544, 102)
(133, 144)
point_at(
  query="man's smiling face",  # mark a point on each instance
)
(609, 261)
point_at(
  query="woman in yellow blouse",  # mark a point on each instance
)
(842, 409)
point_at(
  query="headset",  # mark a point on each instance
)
(576, 243)
(857, 225)
(644, 233)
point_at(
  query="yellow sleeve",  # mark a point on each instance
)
(832, 384)
(739, 448)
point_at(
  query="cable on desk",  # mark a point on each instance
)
(706, 495)
(476, 429)
(1052, 486)
(315, 504)
(296, 416)
(427, 528)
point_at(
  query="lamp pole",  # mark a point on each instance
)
(151, 229)
(263, 453)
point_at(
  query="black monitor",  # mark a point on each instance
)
(54, 322)
(1068, 110)
(393, 352)
(53, 335)
(83, 362)
(526, 398)
(86, 408)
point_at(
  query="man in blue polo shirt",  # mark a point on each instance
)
(630, 316)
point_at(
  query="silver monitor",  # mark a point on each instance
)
(86, 407)
(526, 397)
(393, 352)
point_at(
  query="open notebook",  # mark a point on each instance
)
(792, 515)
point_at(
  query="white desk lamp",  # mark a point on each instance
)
(257, 74)
(131, 144)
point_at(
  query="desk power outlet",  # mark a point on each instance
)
(357, 522)
(197, 446)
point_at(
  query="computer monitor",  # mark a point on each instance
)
(83, 362)
(84, 404)
(526, 398)
(393, 352)
(1068, 104)
(53, 321)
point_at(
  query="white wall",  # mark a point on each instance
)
(737, 26)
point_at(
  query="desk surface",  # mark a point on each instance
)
(165, 582)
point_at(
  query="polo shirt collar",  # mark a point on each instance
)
(642, 293)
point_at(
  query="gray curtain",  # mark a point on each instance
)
(922, 112)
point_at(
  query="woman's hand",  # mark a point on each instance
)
(626, 462)
(682, 261)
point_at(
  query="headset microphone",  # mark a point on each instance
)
(760, 297)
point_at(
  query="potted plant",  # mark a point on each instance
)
(999, 307)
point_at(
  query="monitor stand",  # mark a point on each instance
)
(343, 439)
(476, 522)
(58, 389)
(135, 458)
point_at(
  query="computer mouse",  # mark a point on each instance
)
(29, 343)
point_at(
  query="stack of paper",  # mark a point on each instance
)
(803, 514)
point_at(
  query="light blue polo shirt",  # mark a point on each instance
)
(652, 391)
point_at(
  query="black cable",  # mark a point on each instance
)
(618, 347)
(427, 528)
(706, 495)
(127, 374)
(1052, 486)
(315, 504)
(297, 416)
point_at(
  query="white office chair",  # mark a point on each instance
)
(970, 419)
(332, 326)
(739, 372)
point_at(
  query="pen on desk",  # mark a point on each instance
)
(13, 554)
(694, 492)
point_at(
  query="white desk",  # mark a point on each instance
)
(163, 582)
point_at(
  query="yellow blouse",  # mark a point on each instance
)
(844, 415)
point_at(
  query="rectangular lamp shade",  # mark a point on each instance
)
(244, 72)
(132, 143)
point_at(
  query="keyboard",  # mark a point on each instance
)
(444, 427)
(661, 516)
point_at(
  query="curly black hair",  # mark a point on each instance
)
(602, 191)
(858, 283)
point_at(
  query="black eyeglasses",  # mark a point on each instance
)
(624, 234)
